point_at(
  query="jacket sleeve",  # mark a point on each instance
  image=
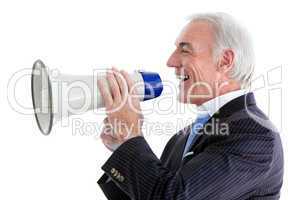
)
(211, 174)
(111, 190)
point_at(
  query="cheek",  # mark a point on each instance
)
(201, 71)
(208, 68)
(201, 67)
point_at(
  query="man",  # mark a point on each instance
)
(242, 159)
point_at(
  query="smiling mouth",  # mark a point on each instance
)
(182, 77)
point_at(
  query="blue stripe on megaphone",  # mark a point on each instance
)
(153, 85)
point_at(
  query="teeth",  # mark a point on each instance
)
(182, 77)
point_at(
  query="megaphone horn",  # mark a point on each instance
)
(57, 97)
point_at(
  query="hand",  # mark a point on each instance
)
(122, 107)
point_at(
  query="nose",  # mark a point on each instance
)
(174, 60)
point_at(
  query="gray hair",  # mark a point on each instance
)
(230, 34)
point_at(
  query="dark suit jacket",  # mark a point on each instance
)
(246, 163)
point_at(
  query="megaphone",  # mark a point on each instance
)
(56, 97)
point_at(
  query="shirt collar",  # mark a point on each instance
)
(213, 105)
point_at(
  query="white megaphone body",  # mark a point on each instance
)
(56, 97)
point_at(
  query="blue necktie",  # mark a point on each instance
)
(196, 126)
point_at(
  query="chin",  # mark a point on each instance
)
(183, 99)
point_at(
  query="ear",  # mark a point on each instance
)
(226, 61)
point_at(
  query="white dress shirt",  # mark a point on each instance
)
(213, 105)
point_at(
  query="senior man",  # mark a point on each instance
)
(214, 60)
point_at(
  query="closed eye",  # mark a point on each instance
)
(184, 51)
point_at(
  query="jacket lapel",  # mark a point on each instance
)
(204, 138)
(175, 158)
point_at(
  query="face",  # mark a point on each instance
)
(194, 63)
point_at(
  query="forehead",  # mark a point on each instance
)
(196, 32)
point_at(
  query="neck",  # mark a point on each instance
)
(226, 87)
(223, 88)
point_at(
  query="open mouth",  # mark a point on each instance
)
(182, 77)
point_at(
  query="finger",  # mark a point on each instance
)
(121, 82)
(107, 98)
(108, 139)
(106, 120)
(115, 90)
(129, 82)
(107, 128)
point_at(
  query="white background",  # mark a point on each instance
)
(77, 36)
